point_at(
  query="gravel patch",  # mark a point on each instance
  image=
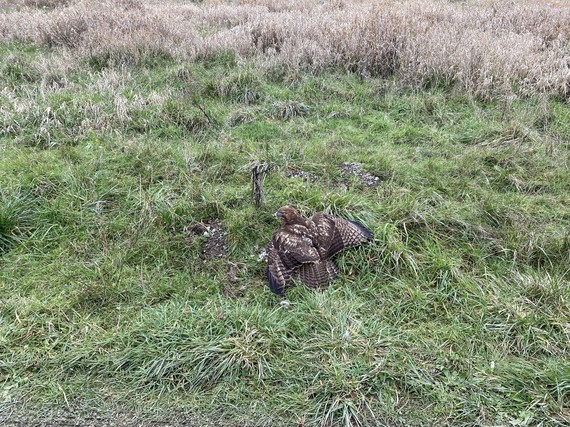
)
(305, 176)
(355, 169)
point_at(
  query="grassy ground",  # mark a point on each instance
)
(457, 314)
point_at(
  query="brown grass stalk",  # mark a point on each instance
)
(485, 48)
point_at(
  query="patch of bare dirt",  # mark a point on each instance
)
(214, 245)
(115, 420)
(15, 415)
(94, 422)
(355, 169)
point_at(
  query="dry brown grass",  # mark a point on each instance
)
(484, 48)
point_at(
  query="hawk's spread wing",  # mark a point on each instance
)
(335, 234)
(304, 248)
(286, 252)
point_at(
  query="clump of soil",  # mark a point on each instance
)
(366, 178)
(215, 245)
(305, 176)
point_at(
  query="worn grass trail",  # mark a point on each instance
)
(457, 314)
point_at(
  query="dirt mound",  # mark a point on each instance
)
(214, 245)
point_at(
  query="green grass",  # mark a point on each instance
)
(457, 314)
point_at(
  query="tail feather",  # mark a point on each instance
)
(365, 231)
(318, 274)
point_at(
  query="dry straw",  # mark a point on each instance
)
(482, 47)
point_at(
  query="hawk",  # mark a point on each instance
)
(304, 247)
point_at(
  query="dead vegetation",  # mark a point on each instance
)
(484, 48)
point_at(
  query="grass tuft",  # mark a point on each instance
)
(288, 110)
(17, 219)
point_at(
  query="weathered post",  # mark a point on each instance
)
(258, 172)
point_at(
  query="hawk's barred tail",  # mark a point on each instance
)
(367, 233)
(318, 274)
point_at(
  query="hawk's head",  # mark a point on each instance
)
(287, 214)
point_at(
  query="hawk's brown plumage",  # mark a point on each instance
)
(303, 248)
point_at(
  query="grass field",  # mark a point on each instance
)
(130, 271)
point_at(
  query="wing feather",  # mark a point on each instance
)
(338, 233)
(300, 249)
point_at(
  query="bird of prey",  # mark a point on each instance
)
(303, 248)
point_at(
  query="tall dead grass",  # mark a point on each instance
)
(484, 47)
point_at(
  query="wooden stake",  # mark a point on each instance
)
(258, 172)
